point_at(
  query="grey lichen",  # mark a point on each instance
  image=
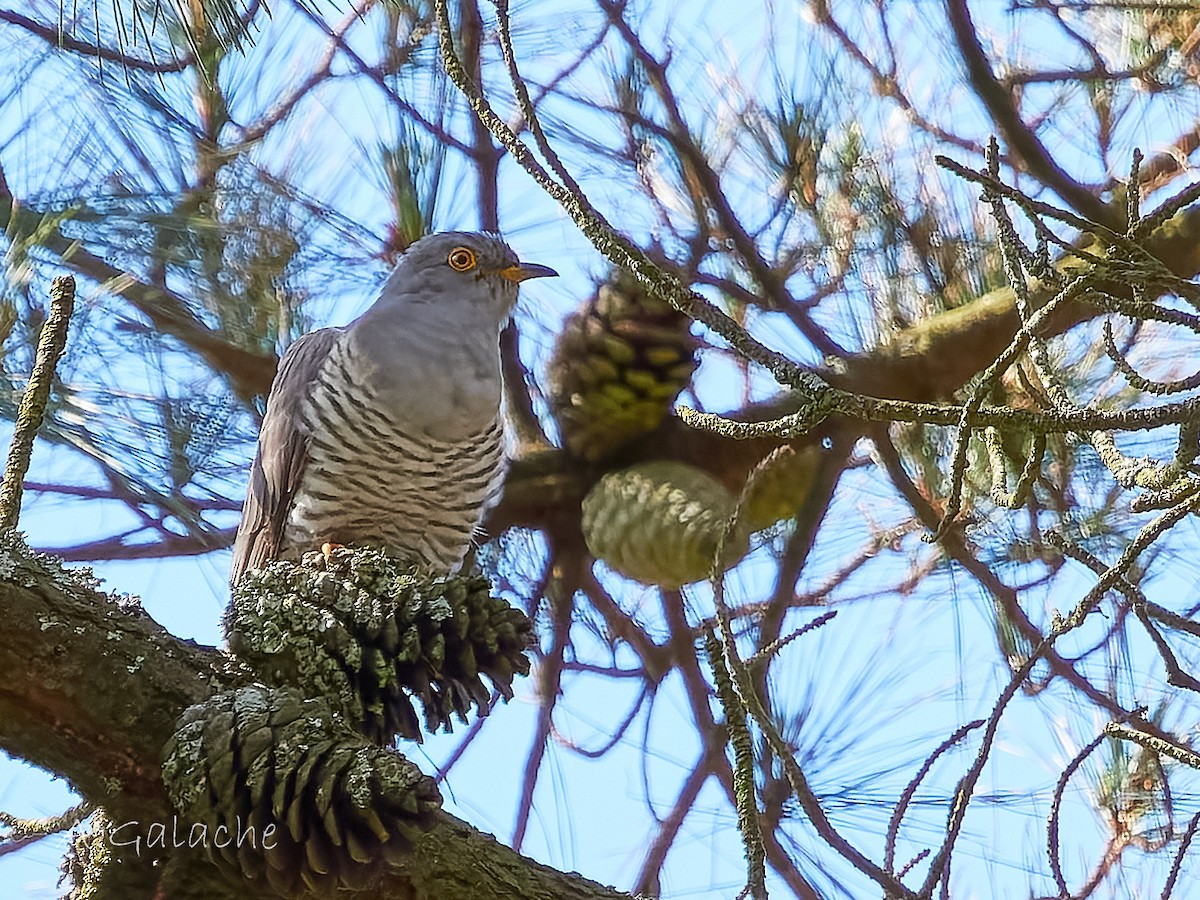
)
(21, 565)
(88, 854)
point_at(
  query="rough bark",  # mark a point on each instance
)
(90, 688)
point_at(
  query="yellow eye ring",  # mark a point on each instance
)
(461, 259)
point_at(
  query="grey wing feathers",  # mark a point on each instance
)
(282, 452)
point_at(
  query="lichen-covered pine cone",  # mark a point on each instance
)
(342, 809)
(362, 630)
(660, 522)
(617, 367)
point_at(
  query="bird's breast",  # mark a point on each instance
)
(379, 470)
(447, 391)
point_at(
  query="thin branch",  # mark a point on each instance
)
(1052, 829)
(745, 793)
(250, 373)
(1176, 676)
(19, 828)
(833, 401)
(680, 138)
(1003, 109)
(381, 81)
(562, 593)
(115, 493)
(33, 402)
(751, 701)
(647, 881)
(885, 83)
(1177, 863)
(63, 41)
(524, 101)
(1155, 744)
(893, 832)
(472, 732)
(617, 248)
(966, 786)
(320, 72)
(170, 545)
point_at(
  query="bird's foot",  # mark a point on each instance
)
(328, 549)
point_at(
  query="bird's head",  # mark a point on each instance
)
(461, 265)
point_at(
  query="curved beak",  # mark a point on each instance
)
(522, 271)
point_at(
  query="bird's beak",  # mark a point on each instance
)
(522, 271)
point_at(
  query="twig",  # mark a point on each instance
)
(1142, 608)
(647, 881)
(1033, 467)
(1135, 379)
(1178, 862)
(743, 766)
(834, 401)
(764, 655)
(526, 104)
(722, 656)
(749, 701)
(560, 579)
(613, 245)
(1003, 109)
(33, 403)
(893, 832)
(55, 37)
(1152, 742)
(25, 830)
(966, 786)
(1052, 832)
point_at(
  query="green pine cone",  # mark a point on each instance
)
(617, 367)
(659, 523)
(370, 635)
(780, 489)
(329, 809)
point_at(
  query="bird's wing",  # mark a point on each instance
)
(282, 452)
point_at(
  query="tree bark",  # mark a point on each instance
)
(90, 688)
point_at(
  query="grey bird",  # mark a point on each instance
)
(388, 432)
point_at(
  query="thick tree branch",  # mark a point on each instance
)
(91, 686)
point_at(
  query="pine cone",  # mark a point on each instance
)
(342, 809)
(366, 633)
(781, 487)
(659, 522)
(617, 367)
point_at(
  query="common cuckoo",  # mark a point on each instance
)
(387, 432)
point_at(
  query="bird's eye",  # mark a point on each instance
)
(461, 259)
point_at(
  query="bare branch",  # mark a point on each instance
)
(64, 41)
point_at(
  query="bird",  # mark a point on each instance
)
(388, 432)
